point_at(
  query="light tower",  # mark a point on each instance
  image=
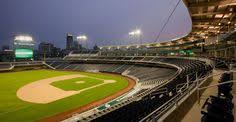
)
(83, 38)
(136, 34)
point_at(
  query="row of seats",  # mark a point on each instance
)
(220, 107)
(5, 66)
(8, 66)
(109, 58)
(151, 99)
(146, 75)
(217, 109)
(151, 75)
(223, 62)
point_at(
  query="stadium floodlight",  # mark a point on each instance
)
(23, 38)
(131, 33)
(137, 34)
(82, 37)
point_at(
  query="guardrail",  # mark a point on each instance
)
(179, 98)
(185, 91)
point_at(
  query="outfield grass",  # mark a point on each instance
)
(13, 109)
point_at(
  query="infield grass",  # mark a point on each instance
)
(13, 109)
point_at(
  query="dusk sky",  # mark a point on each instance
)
(105, 22)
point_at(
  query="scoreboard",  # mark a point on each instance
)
(23, 47)
(23, 53)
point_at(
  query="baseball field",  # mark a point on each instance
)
(33, 95)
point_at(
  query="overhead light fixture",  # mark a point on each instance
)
(135, 32)
(82, 37)
(202, 34)
(219, 16)
(23, 38)
(226, 15)
(211, 27)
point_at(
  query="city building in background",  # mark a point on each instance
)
(5, 47)
(69, 41)
(72, 44)
(6, 54)
(48, 50)
(77, 46)
(45, 49)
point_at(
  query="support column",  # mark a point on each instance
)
(234, 52)
(226, 53)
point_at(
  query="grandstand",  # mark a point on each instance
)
(167, 75)
(161, 79)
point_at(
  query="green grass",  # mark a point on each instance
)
(12, 109)
(72, 85)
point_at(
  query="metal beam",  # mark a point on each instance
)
(212, 3)
(204, 25)
(215, 20)
(211, 13)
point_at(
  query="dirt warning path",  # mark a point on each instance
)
(69, 113)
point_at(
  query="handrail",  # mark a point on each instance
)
(170, 103)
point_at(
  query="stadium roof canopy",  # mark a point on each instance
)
(209, 18)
